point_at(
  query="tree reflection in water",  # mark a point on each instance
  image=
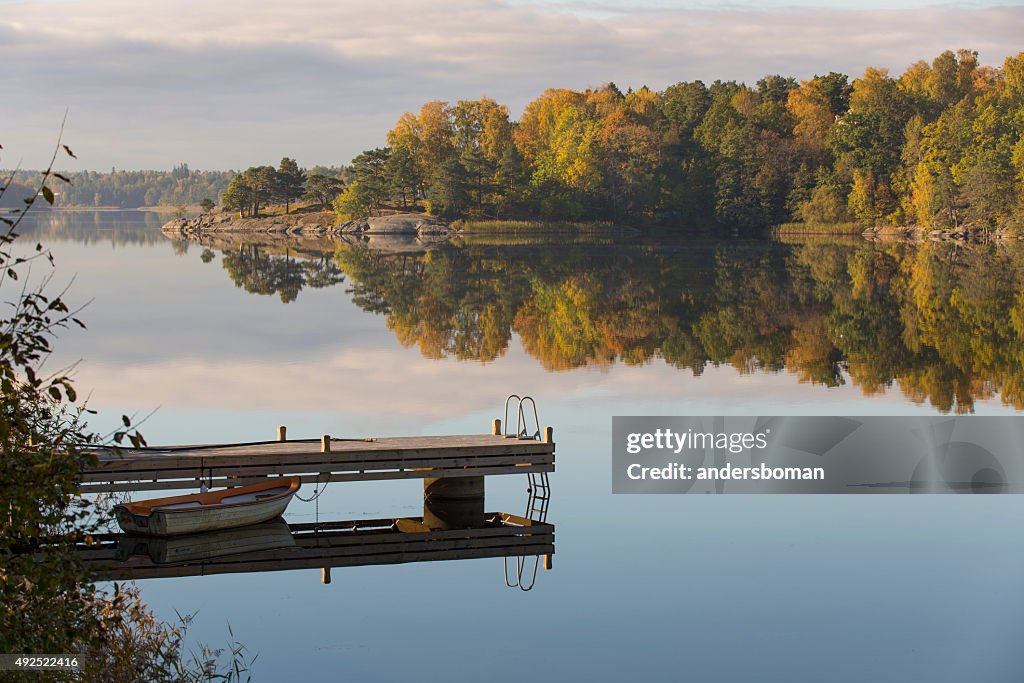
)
(944, 321)
(262, 273)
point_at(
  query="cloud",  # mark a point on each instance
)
(228, 84)
(418, 395)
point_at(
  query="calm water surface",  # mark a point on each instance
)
(227, 341)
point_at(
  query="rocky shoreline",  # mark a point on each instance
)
(430, 229)
(312, 224)
(921, 234)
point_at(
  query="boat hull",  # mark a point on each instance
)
(212, 511)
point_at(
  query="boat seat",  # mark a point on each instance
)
(244, 497)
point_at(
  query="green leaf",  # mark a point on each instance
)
(48, 195)
(68, 150)
(127, 422)
(55, 393)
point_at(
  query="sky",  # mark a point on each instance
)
(229, 84)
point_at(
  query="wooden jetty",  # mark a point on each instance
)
(320, 461)
(117, 557)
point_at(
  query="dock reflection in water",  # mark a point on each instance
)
(278, 546)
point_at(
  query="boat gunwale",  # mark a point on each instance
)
(211, 499)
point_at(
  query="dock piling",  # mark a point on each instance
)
(453, 503)
(282, 433)
(325, 443)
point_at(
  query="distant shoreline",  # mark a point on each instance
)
(83, 207)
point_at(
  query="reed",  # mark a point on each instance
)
(534, 227)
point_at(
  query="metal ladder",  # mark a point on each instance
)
(538, 488)
(521, 419)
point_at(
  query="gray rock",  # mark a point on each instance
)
(402, 224)
(349, 227)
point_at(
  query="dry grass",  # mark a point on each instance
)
(533, 227)
(850, 228)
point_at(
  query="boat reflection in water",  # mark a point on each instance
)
(163, 550)
(277, 546)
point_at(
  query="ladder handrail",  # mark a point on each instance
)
(519, 407)
(521, 423)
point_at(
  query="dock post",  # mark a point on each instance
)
(325, 575)
(325, 443)
(282, 433)
(496, 427)
(549, 561)
(549, 435)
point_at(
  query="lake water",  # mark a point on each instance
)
(226, 341)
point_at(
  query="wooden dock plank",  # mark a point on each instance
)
(386, 458)
(145, 460)
(225, 469)
(394, 447)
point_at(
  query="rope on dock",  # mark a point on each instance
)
(316, 489)
(210, 446)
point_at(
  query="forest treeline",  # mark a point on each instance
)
(939, 145)
(134, 189)
(127, 189)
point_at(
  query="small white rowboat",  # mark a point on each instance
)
(225, 509)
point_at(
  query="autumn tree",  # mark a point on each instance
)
(631, 156)
(815, 106)
(939, 143)
(355, 201)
